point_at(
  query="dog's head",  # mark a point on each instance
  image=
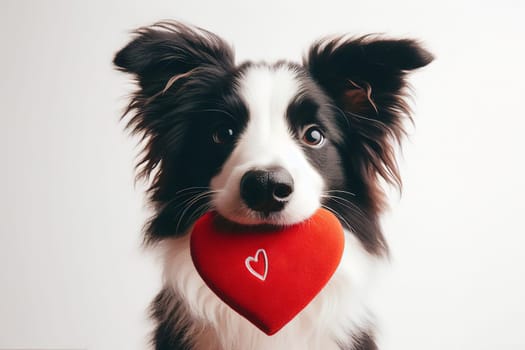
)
(267, 143)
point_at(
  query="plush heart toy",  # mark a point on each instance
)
(268, 275)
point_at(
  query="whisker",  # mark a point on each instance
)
(185, 192)
(199, 197)
(339, 216)
(331, 196)
(194, 188)
(352, 206)
(341, 191)
(199, 211)
(193, 200)
(340, 200)
(181, 202)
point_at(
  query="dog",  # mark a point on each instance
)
(266, 144)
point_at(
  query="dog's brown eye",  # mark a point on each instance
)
(223, 135)
(313, 136)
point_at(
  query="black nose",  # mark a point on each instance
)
(266, 190)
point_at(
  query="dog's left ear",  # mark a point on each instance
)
(365, 74)
(366, 79)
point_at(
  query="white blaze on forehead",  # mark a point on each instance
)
(268, 141)
(268, 93)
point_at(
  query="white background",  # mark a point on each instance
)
(72, 273)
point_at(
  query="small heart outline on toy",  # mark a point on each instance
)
(254, 259)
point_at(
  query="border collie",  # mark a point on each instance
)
(266, 143)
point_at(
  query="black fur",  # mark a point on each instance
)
(353, 89)
(168, 312)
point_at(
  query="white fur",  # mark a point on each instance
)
(267, 141)
(338, 311)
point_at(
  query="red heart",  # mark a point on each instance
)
(267, 275)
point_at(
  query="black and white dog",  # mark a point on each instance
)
(266, 144)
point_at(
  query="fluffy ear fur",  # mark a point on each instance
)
(175, 66)
(366, 79)
(168, 50)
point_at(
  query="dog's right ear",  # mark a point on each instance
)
(161, 53)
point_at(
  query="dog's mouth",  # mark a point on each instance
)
(235, 226)
(258, 220)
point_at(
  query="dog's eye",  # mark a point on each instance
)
(223, 135)
(313, 136)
